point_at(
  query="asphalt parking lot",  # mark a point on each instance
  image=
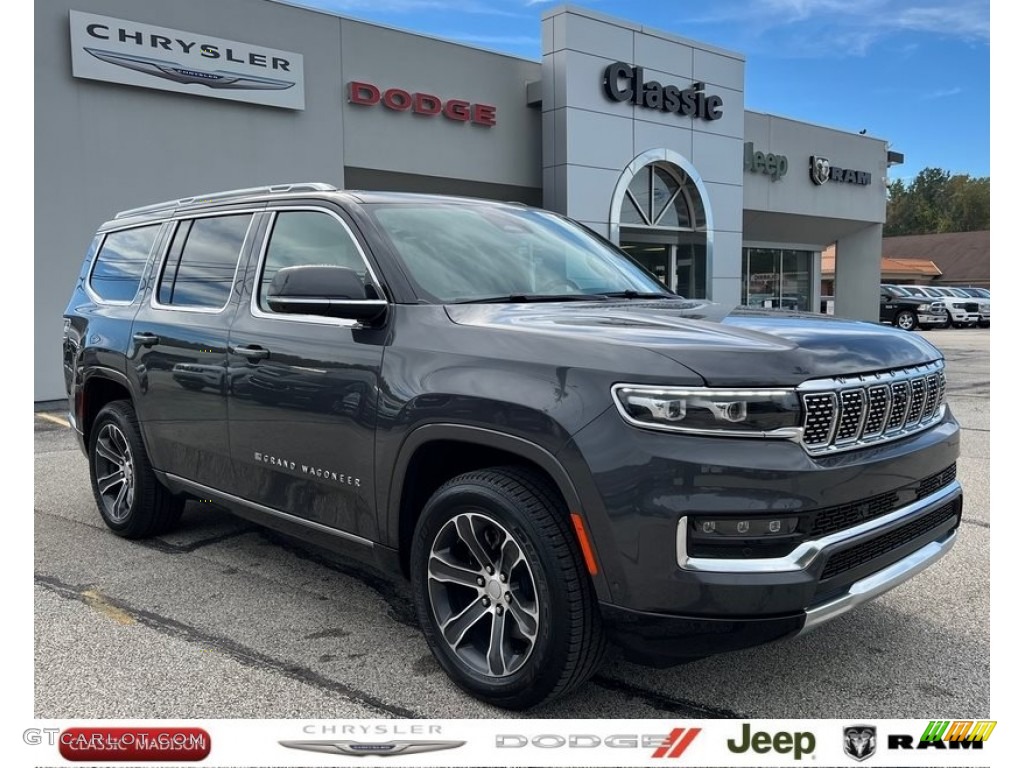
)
(224, 619)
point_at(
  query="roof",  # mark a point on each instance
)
(892, 269)
(963, 257)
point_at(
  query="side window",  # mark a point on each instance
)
(200, 268)
(120, 263)
(307, 238)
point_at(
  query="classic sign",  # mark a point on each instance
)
(625, 83)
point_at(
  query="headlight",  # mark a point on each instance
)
(734, 412)
(958, 305)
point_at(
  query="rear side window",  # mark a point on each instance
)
(308, 238)
(120, 263)
(200, 268)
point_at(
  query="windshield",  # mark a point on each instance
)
(469, 252)
(895, 290)
(913, 290)
(932, 292)
(959, 292)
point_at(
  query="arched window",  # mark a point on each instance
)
(663, 225)
(662, 196)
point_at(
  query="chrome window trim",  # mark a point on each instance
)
(806, 553)
(254, 307)
(155, 304)
(91, 292)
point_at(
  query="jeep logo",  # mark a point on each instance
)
(800, 743)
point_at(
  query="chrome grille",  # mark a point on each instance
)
(916, 401)
(819, 413)
(849, 412)
(851, 415)
(878, 407)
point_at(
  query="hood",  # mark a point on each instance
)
(726, 346)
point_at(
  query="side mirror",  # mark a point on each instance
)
(328, 291)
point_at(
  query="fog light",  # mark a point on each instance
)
(704, 528)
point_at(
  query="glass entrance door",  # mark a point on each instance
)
(656, 259)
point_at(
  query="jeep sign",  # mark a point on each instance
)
(773, 166)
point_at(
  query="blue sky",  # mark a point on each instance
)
(915, 72)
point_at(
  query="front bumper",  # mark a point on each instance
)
(926, 318)
(664, 640)
(900, 545)
(661, 598)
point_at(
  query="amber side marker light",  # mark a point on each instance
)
(588, 552)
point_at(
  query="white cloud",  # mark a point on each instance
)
(850, 27)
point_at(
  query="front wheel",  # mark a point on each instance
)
(949, 320)
(131, 500)
(501, 591)
(907, 320)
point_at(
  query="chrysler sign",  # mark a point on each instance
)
(130, 53)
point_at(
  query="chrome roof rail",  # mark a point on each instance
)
(219, 197)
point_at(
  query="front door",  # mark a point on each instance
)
(303, 389)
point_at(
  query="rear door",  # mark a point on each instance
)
(303, 398)
(178, 354)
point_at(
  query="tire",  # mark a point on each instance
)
(549, 591)
(905, 319)
(984, 323)
(137, 505)
(949, 320)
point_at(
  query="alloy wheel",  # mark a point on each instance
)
(115, 472)
(483, 594)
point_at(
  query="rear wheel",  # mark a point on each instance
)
(501, 591)
(131, 500)
(906, 319)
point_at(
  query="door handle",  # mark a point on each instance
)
(145, 339)
(251, 352)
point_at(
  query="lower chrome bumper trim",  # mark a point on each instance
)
(876, 584)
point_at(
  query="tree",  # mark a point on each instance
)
(936, 201)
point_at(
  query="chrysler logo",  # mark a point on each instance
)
(820, 169)
(168, 70)
(859, 741)
(364, 748)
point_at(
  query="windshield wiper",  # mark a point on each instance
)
(517, 298)
(637, 295)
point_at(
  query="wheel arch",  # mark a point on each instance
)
(472, 448)
(99, 386)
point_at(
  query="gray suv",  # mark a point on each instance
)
(504, 408)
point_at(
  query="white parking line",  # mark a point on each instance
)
(54, 419)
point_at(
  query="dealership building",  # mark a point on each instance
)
(638, 133)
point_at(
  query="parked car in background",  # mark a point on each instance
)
(909, 312)
(960, 311)
(984, 297)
